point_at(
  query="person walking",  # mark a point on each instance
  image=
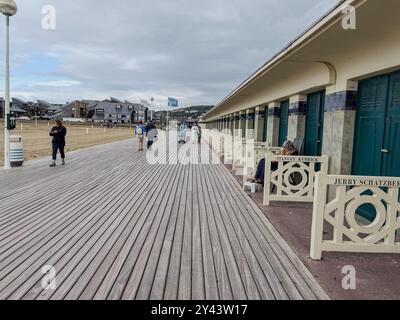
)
(194, 134)
(199, 134)
(151, 133)
(140, 131)
(58, 133)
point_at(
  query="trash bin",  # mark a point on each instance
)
(16, 151)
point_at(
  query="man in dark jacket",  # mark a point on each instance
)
(58, 133)
(151, 134)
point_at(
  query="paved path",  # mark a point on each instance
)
(115, 227)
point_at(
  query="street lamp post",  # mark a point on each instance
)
(8, 8)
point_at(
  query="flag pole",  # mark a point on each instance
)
(167, 126)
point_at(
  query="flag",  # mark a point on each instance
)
(173, 102)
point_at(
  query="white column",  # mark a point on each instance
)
(236, 123)
(226, 124)
(250, 124)
(232, 123)
(259, 124)
(273, 124)
(339, 124)
(297, 117)
(242, 123)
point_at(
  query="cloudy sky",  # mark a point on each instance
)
(195, 50)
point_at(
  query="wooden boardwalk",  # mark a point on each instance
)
(115, 227)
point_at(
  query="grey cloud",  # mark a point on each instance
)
(197, 51)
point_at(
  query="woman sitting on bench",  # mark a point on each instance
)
(288, 149)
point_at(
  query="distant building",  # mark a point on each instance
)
(115, 111)
(48, 109)
(20, 110)
(40, 108)
(107, 111)
(75, 109)
(140, 111)
(18, 103)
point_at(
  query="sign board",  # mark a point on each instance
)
(378, 182)
(296, 159)
(11, 121)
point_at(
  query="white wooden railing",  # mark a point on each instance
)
(289, 169)
(219, 142)
(216, 142)
(207, 136)
(227, 149)
(239, 152)
(221, 147)
(340, 214)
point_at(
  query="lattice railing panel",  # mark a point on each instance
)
(351, 232)
(293, 179)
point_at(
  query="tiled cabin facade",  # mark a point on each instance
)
(337, 89)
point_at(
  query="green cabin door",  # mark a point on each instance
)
(314, 124)
(391, 151)
(265, 131)
(370, 126)
(283, 122)
(377, 132)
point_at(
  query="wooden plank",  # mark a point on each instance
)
(198, 281)
(268, 286)
(185, 274)
(161, 273)
(32, 201)
(49, 244)
(37, 225)
(125, 229)
(300, 276)
(141, 279)
(86, 238)
(116, 256)
(227, 254)
(61, 240)
(223, 282)
(130, 255)
(172, 281)
(210, 277)
(123, 220)
(248, 269)
(279, 281)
